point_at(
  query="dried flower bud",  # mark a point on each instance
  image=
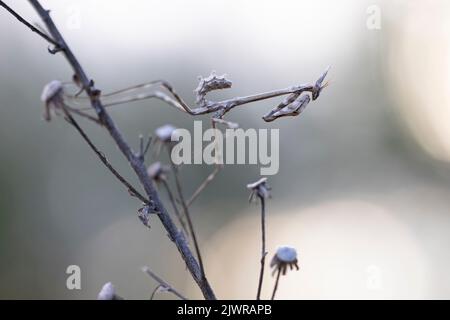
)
(284, 257)
(259, 188)
(108, 292)
(52, 97)
(51, 90)
(164, 133)
(157, 171)
(210, 83)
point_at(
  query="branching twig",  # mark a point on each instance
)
(135, 162)
(162, 283)
(292, 105)
(203, 185)
(263, 247)
(29, 25)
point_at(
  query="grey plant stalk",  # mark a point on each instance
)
(263, 246)
(175, 207)
(261, 190)
(187, 214)
(135, 161)
(162, 284)
(275, 287)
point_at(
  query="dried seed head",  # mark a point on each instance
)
(52, 95)
(210, 83)
(285, 257)
(157, 171)
(51, 90)
(259, 188)
(164, 133)
(257, 184)
(286, 254)
(108, 292)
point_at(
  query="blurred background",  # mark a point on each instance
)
(363, 190)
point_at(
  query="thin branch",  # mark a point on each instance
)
(216, 170)
(203, 185)
(175, 207)
(103, 159)
(263, 246)
(135, 162)
(82, 114)
(187, 214)
(158, 287)
(276, 284)
(143, 147)
(29, 25)
(163, 284)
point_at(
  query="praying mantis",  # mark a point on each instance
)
(290, 106)
(57, 95)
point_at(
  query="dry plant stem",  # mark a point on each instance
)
(103, 159)
(135, 162)
(187, 214)
(210, 177)
(29, 25)
(175, 207)
(276, 284)
(143, 147)
(162, 283)
(155, 291)
(263, 246)
(82, 114)
(204, 184)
